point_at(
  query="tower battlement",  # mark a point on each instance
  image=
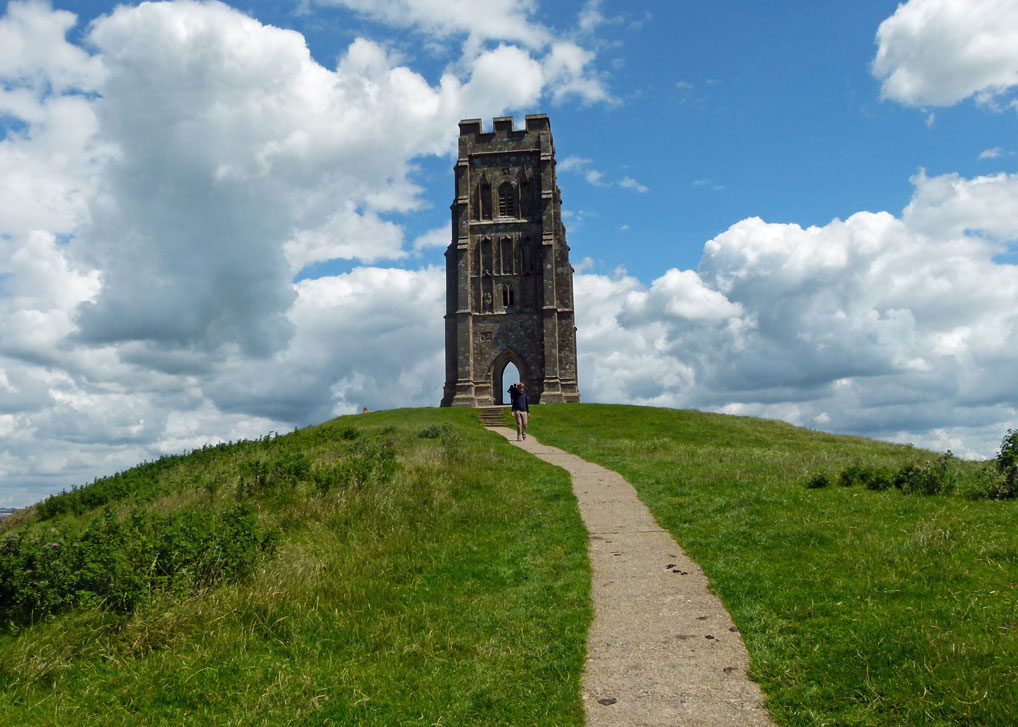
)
(504, 125)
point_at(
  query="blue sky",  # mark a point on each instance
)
(730, 110)
(218, 220)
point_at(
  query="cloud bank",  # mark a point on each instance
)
(162, 184)
(898, 327)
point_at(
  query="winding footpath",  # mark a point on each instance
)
(662, 649)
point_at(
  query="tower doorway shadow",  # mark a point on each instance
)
(507, 369)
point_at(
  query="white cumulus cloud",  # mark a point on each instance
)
(939, 52)
(508, 20)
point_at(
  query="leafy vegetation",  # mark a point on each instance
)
(401, 567)
(114, 564)
(925, 475)
(1007, 467)
(860, 605)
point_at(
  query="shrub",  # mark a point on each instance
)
(921, 479)
(932, 478)
(326, 478)
(376, 460)
(281, 473)
(114, 564)
(851, 475)
(451, 442)
(817, 481)
(449, 436)
(349, 433)
(878, 479)
(140, 482)
(1007, 465)
(432, 432)
(988, 484)
(366, 462)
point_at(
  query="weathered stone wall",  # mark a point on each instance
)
(509, 293)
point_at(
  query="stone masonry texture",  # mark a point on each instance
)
(509, 284)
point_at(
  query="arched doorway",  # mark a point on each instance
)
(510, 376)
(507, 369)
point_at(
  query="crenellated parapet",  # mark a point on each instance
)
(504, 125)
(534, 136)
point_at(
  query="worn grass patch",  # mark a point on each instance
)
(424, 572)
(858, 607)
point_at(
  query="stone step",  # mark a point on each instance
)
(491, 416)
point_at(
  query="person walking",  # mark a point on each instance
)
(521, 411)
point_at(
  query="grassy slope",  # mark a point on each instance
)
(858, 607)
(455, 593)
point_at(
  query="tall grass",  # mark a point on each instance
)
(423, 572)
(858, 606)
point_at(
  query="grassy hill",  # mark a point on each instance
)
(408, 567)
(403, 567)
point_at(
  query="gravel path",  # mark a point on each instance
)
(662, 649)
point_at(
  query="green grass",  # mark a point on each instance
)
(858, 607)
(451, 589)
(426, 572)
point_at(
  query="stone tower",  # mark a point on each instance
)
(509, 284)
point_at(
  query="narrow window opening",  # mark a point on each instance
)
(486, 250)
(485, 200)
(507, 296)
(507, 256)
(506, 200)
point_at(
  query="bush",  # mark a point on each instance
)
(878, 479)
(374, 461)
(281, 473)
(1007, 466)
(934, 478)
(114, 564)
(449, 436)
(988, 484)
(349, 433)
(872, 478)
(851, 475)
(433, 432)
(366, 462)
(817, 481)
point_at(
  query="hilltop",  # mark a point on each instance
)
(410, 567)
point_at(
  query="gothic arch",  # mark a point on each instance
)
(497, 368)
(507, 200)
(508, 296)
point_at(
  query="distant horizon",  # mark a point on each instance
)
(183, 453)
(220, 220)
